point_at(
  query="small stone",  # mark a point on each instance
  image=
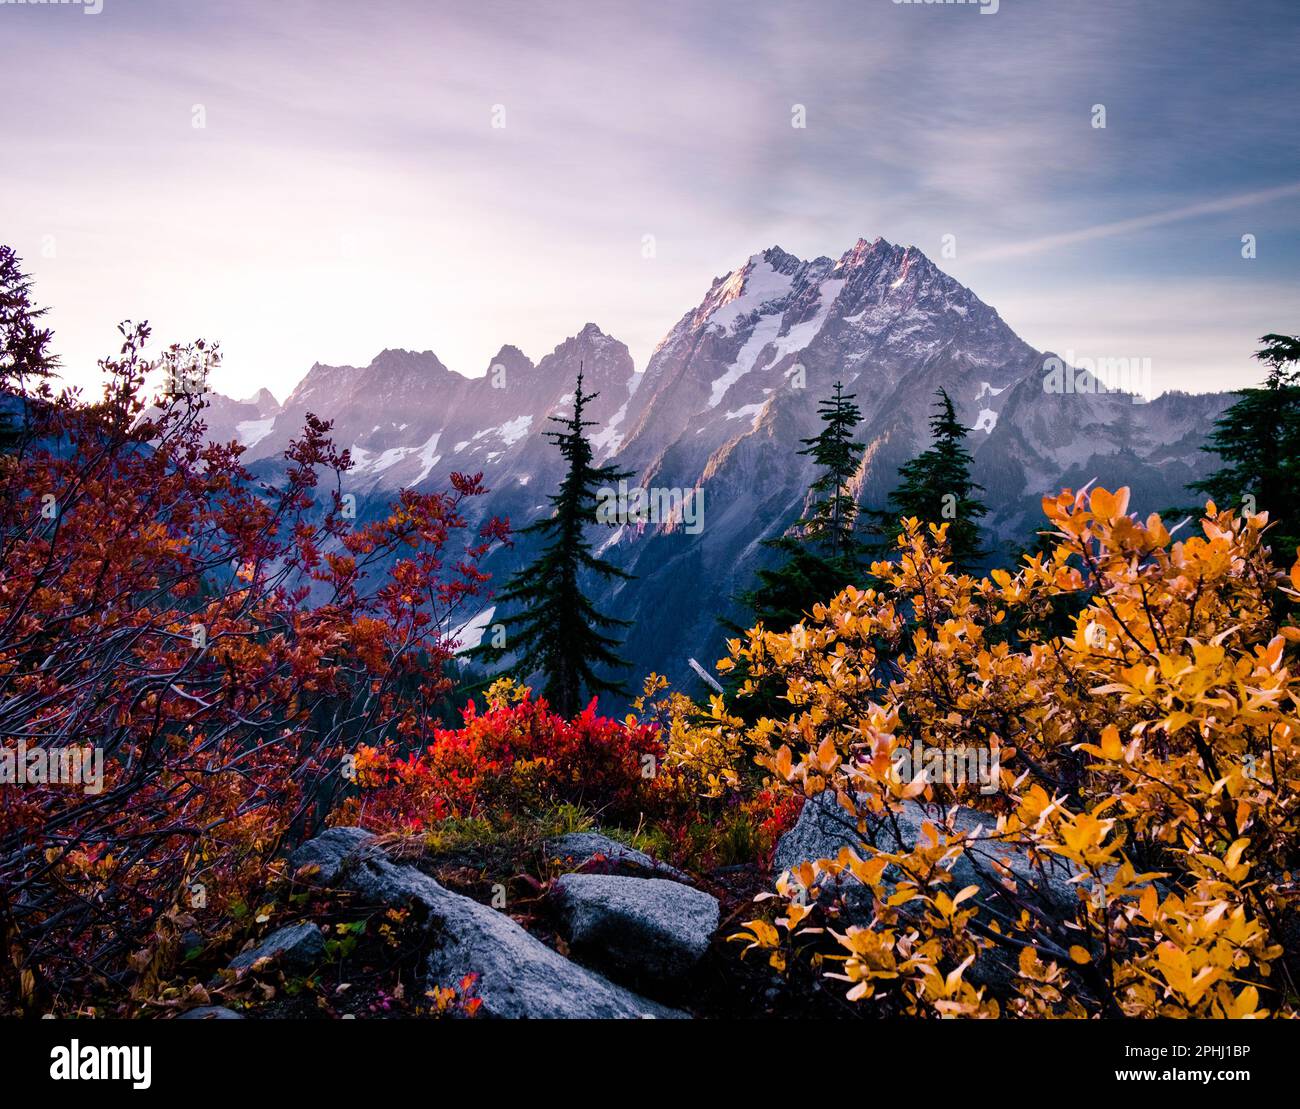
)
(211, 1012)
(297, 947)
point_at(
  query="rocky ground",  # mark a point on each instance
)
(598, 930)
(588, 928)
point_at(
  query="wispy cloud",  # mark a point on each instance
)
(349, 191)
(1137, 223)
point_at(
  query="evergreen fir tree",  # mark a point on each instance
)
(25, 360)
(823, 554)
(830, 523)
(786, 593)
(558, 631)
(936, 488)
(1258, 440)
(821, 557)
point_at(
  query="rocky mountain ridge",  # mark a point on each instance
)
(721, 407)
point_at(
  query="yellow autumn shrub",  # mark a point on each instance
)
(1136, 852)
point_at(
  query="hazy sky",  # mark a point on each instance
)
(349, 191)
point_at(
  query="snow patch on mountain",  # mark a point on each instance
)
(470, 634)
(765, 332)
(513, 430)
(389, 458)
(754, 410)
(428, 456)
(768, 332)
(746, 291)
(804, 333)
(614, 538)
(610, 438)
(252, 432)
(509, 432)
(363, 462)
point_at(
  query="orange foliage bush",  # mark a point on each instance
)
(1148, 756)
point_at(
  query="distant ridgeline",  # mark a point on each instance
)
(720, 409)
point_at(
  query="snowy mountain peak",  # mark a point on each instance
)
(722, 406)
(778, 259)
(864, 248)
(775, 281)
(264, 401)
(785, 328)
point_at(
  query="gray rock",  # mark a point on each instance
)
(297, 947)
(582, 847)
(329, 851)
(645, 927)
(211, 1012)
(824, 828)
(518, 975)
(985, 862)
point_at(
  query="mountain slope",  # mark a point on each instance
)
(721, 407)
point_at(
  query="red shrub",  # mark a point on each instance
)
(512, 758)
(153, 607)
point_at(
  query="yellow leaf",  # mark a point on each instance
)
(1148, 904)
(1102, 504)
(783, 762)
(827, 756)
(1111, 747)
(1244, 1004)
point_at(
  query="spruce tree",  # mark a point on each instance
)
(1258, 441)
(25, 360)
(821, 556)
(936, 488)
(558, 631)
(830, 523)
